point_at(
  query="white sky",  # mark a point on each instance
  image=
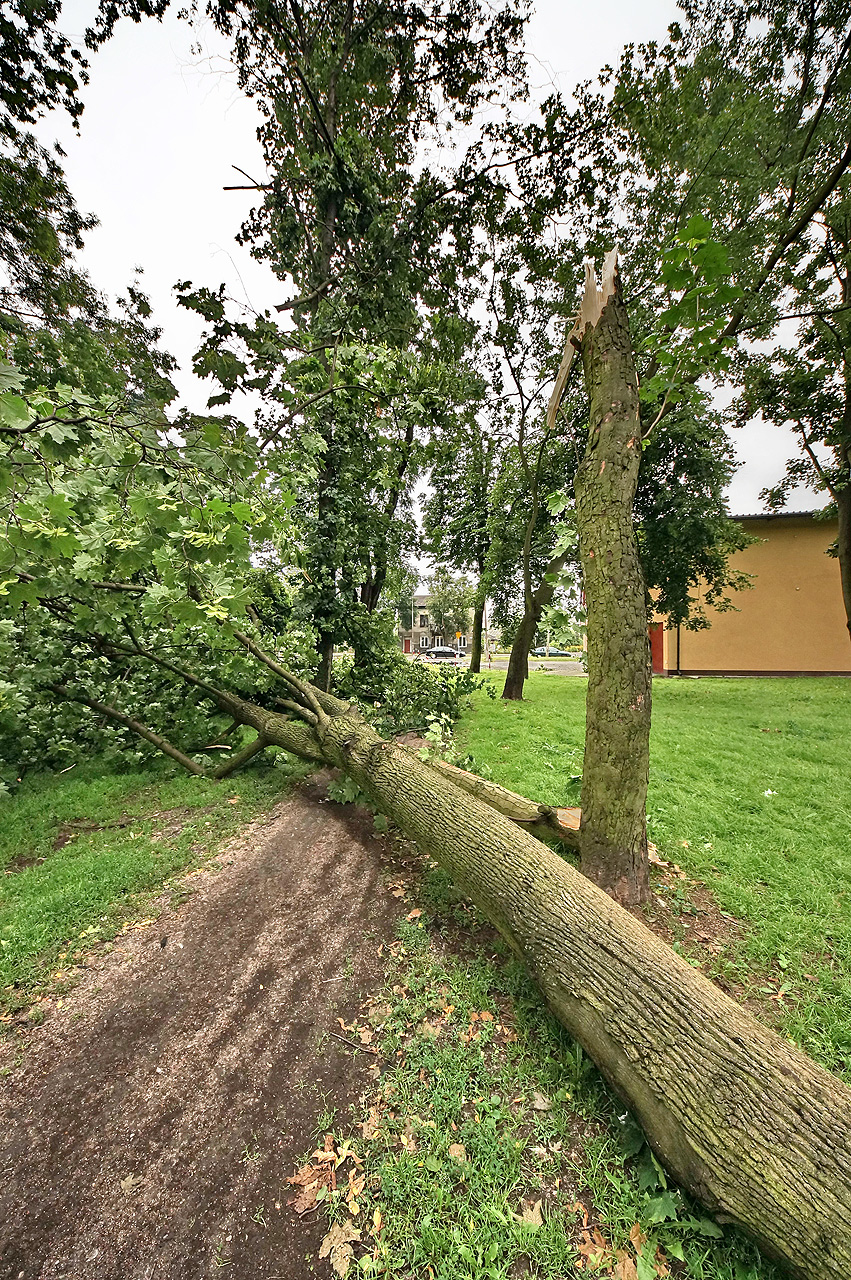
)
(162, 128)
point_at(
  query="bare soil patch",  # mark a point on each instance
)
(150, 1127)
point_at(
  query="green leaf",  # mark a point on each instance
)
(662, 1208)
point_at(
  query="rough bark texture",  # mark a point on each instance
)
(541, 819)
(325, 649)
(518, 659)
(476, 637)
(617, 733)
(744, 1120)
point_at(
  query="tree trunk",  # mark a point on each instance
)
(518, 659)
(476, 637)
(743, 1119)
(617, 732)
(325, 649)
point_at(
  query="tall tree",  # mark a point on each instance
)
(351, 94)
(458, 510)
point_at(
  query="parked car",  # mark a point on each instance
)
(443, 654)
(552, 652)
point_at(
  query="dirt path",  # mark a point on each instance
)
(149, 1131)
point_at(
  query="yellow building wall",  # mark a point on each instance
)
(791, 620)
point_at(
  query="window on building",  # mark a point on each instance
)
(438, 641)
(423, 619)
(462, 642)
(423, 642)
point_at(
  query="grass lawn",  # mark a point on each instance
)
(82, 852)
(490, 1146)
(749, 792)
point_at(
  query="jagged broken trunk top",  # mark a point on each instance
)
(613, 836)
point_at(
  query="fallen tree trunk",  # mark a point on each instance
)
(751, 1126)
(745, 1121)
(540, 819)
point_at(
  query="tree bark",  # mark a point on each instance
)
(617, 732)
(540, 819)
(235, 762)
(476, 637)
(325, 649)
(518, 659)
(742, 1118)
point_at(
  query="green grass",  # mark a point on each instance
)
(534, 1120)
(780, 862)
(73, 896)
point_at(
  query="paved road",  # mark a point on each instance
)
(560, 667)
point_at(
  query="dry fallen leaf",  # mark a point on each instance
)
(637, 1237)
(337, 1246)
(593, 1247)
(458, 1151)
(540, 1102)
(625, 1268)
(530, 1214)
(308, 1179)
(414, 915)
(370, 1126)
(130, 1183)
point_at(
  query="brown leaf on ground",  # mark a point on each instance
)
(130, 1183)
(414, 915)
(625, 1268)
(337, 1246)
(370, 1126)
(594, 1247)
(530, 1214)
(310, 1180)
(637, 1237)
(540, 1102)
(458, 1151)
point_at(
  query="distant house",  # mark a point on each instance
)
(422, 633)
(790, 622)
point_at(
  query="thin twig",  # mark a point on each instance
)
(362, 1048)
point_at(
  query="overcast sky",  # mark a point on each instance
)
(162, 127)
